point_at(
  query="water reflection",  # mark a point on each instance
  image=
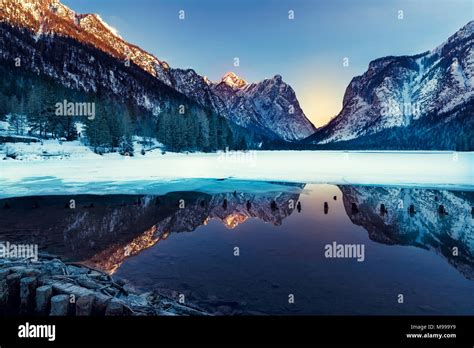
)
(281, 234)
(436, 220)
(104, 230)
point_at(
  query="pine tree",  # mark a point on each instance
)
(192, 129)
(222, 133)
(4, 106)
(126, 140)
(213, 142)
(17, 123)
(202, 141)
(164, 129)
(97, 130)
(146, 127)
(41, 108)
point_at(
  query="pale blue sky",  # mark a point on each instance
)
(307, 51)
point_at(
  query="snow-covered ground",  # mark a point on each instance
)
(48, 149)
(58, 150)
(79, 170)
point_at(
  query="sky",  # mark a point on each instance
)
(308, 51)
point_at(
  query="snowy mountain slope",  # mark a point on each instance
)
(127, 99)
(395, 91)
(85, 68)
(50, 18)
(269, 105)
(274, 110)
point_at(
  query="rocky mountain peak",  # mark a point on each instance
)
(270, 107)
(396, 91)
(278, 79)
(232, 80)
(52, 17)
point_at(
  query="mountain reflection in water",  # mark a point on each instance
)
(280, 236)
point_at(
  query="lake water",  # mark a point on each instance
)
(251, 248)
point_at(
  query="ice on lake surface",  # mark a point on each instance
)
(183, 240)
(156, 173)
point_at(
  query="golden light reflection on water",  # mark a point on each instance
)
(231, 221)
(109, 260)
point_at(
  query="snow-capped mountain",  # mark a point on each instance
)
(233, 81)
(425, 227)
(269, 107)
(51, 17)
(398, 91)
(77, 52)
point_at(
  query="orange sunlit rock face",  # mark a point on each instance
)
(50, 16)
(233, 220)
(110, 259)
(232, 80)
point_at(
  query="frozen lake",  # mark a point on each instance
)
(155, 172)
(280, 208)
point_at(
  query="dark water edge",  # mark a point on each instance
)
(157, 243)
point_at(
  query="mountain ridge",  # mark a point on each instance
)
(51, 17)
(395, 91)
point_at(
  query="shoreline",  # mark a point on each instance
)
(51, 287)
(154, 172)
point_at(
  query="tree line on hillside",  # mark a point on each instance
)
(30, 109)
(28, 103)
(449, 132)
(443, 132)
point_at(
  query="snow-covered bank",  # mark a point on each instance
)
(118, 174)
(56, 149)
